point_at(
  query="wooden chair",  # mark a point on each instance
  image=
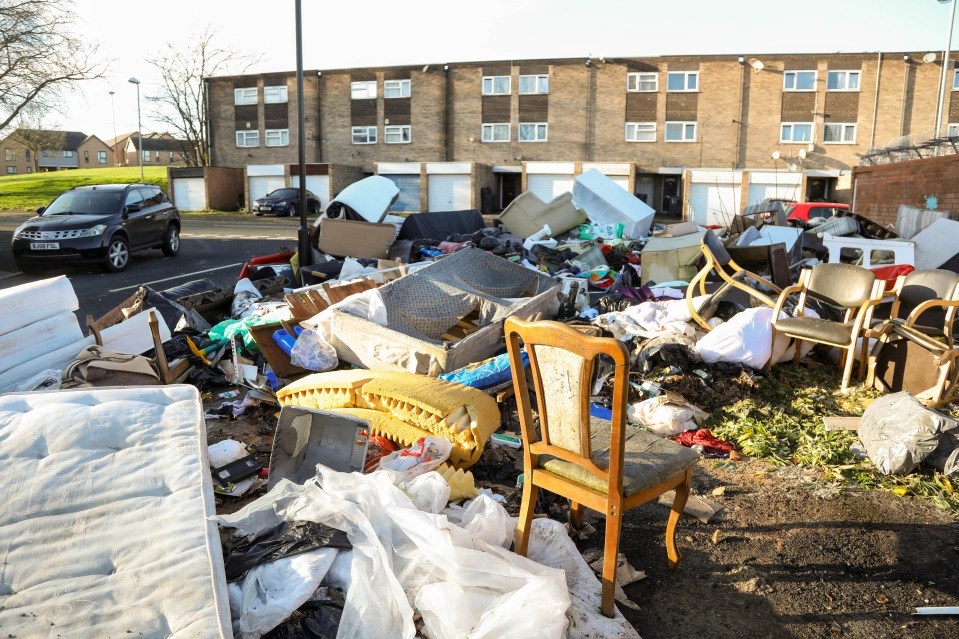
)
(730, 274)
(853, 289)
(607, 466)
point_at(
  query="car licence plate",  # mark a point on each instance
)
(266, 207)
(44, 246)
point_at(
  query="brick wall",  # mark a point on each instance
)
(879, 190)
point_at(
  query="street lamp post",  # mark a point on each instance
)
(113, 113)
(139, 128)
(945, 67)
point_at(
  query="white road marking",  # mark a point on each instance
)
(176, 277)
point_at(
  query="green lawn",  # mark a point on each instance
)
(30, 190)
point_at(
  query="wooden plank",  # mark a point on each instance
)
(841, 423)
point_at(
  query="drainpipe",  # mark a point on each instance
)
(206, 122)
(319, 116)
(875, 104)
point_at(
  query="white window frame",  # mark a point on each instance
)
(363, 90)
(11, 170)
(490, 82)
(635, 79)
(540, 84)
(10, 155)
(636, 128)
(101, 157)
(795, 77)
(146, 155)
(404, 131)
(276, 94)
(402, 87)
(845, 75)
(843, 130)
(537, 127)
(246, 95)
(248, 139)
(685, 125)
(488, 132)
(280, 137)
(792, 127)
(369, 132)
(955, 79)
(68, 154)
(952, 129)
(686, 76)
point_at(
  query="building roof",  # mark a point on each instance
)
(54, 140)
(158, 143)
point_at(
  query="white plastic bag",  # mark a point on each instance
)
(429, 492)
(312, 352)
(245, 294)
(422, 457)
(666, 415)
(487, 520)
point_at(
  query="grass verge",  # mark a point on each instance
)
(30, 190)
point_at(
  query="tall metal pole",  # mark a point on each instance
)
(945, 68)
(139, 127)
(113, 112)
(303, 246)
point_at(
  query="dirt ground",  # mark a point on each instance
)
(793, 559)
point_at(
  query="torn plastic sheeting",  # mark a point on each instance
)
(398, 549)
(747, 339)
(649, 319)
(666, 415)
(283, 540)
(367, 200)
(606, 202)
(899, 433)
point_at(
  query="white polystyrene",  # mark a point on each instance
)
(606, 202)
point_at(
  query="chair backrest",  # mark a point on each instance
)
(562, 361)
(922, 286)
(712, 245)
(843, 285)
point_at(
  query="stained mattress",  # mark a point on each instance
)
(103, 520)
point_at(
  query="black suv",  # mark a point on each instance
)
(102, 223)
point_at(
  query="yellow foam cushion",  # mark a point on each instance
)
(324, 391)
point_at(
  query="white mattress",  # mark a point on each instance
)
(103, 516)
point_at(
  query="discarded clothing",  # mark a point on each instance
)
(666, 415)
(711, 446)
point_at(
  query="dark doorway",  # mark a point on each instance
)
(672, 198)
(818, 189)
(509, 188)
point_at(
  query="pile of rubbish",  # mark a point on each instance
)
(374, 493)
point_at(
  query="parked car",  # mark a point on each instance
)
(808, 212)
(284, 201)
(102, 223)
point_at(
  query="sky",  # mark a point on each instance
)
(362, 33)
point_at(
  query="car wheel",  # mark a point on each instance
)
(171, 240)
(291, 212)
(118, 254)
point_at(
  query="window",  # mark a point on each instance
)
(10, 155)
(642, 81)
(496, 85)
(275, 95)
(11, 169)
(680, 131)
(86, 156)
(401, 134)
(146, 156)
(68, 154)
(839, 134)
(495, 133)
(842, 81)
(364, 135)
(955, 79)
(640, 131)
(363, 90)
(529, 84)
(277, 137)
(248, 138)
(682, 81)
(29, 169)
(171, 156)
(245, 96)
(953, 130)
(796, 132)
(27, 154)
(133, 197)
(102, 157)
(799, 81)
(156, 156)
(533, 132)
(396, 88)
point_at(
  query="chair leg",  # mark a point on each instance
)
(610, 556)
(847, 370)
(576, 514)
(525, 521)
(797, 343)
(679, 503)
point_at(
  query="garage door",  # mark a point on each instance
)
(263, 184)
(714, 204)
(546, 187)
(189, 194)
(449, 192)
(761, 191)
(318, 185)
(409, 199)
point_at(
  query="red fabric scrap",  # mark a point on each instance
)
(712, 446)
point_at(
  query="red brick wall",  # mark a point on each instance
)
(879, 190)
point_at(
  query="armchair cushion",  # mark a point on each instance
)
(813, 328)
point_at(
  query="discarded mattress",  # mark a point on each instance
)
(365, 201)
(606, 202)
(104, 518)
(439, 225)
(403, 407)
(445, 315)
(527, 214)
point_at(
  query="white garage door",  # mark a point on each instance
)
(546, 187)
(449, 192)
(409, 198)
(189, 194)
(318, 185)
(714, 204)
(762, 191)
(620, 180)
(263, 184)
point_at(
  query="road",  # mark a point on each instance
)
(212, 247)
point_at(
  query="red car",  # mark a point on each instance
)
(807, 212)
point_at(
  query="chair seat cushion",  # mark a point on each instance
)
(816, 329)
(648, 460)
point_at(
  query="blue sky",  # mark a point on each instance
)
(357, 33)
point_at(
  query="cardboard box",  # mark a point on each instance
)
(346, 238)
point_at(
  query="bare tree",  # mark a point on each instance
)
(36, 135)
(180, 103)
(39, 55)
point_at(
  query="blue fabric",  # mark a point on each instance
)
(485, 374)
